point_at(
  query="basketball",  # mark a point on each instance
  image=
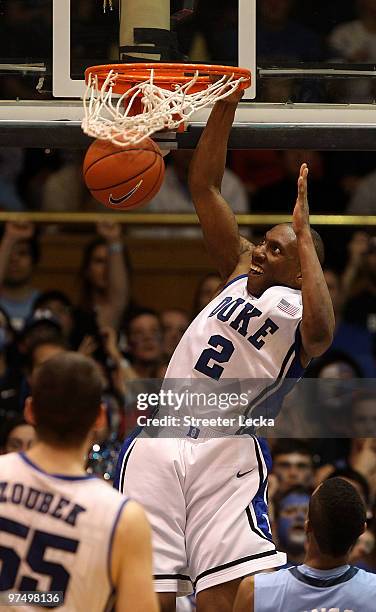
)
(123, 178)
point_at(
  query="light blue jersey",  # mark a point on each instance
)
(304, 589)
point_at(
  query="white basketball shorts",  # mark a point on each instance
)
(206, 500)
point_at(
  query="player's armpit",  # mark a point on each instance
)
(132, 562)
(244, 601)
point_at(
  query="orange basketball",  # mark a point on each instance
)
(124, 178)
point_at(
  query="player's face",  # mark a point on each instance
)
(275, 261)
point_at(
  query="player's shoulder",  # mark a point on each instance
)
(272, 578)
(9, 461)
(368, 579)
(287, 300)
(132, 516)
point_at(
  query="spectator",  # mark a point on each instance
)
(355, 41)
(19, 254)
(332, 396)
(174, 197)
(362, 550)
(104, 276)
(360, 286)
(207, 288)
(10, 373)
(144, 335)
(352, 339)
(364, 415)
(41, 326)
(279, 196)
(64, 189)
(60, 306)
(358, 466)
(18, 436)
(291, 509)
(362, 201)
(174, 323)
(292, 464)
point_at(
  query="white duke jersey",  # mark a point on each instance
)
(305, 589)
(56, 534)
(241, 337)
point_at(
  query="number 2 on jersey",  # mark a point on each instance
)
(226, 349)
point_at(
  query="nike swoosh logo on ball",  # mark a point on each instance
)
(124, 198)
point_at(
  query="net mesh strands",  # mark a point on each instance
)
(167, 100)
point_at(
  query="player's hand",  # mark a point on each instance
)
(300, 217)
(235, 96)
(16, 231)
(111, 232)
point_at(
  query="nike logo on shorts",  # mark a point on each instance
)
(240, 475)
(125, 197)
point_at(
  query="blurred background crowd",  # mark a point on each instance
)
(131, 341)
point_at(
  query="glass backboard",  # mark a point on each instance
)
(313, 64)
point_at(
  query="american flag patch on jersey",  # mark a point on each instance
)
(287, 307)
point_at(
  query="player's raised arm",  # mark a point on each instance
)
(218, 222)
(132, 563)
(318, 322)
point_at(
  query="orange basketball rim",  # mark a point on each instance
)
(125, 103)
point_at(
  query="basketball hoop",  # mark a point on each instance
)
(125, 103)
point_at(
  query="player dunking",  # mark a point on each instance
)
(60, 529)
(206, 495)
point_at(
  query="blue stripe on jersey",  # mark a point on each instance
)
(259, 502)
(117, 484)
(27, 460)
(285, 381)
(111, 541)
(234, 280)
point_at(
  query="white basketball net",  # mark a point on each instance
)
(107, 114)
